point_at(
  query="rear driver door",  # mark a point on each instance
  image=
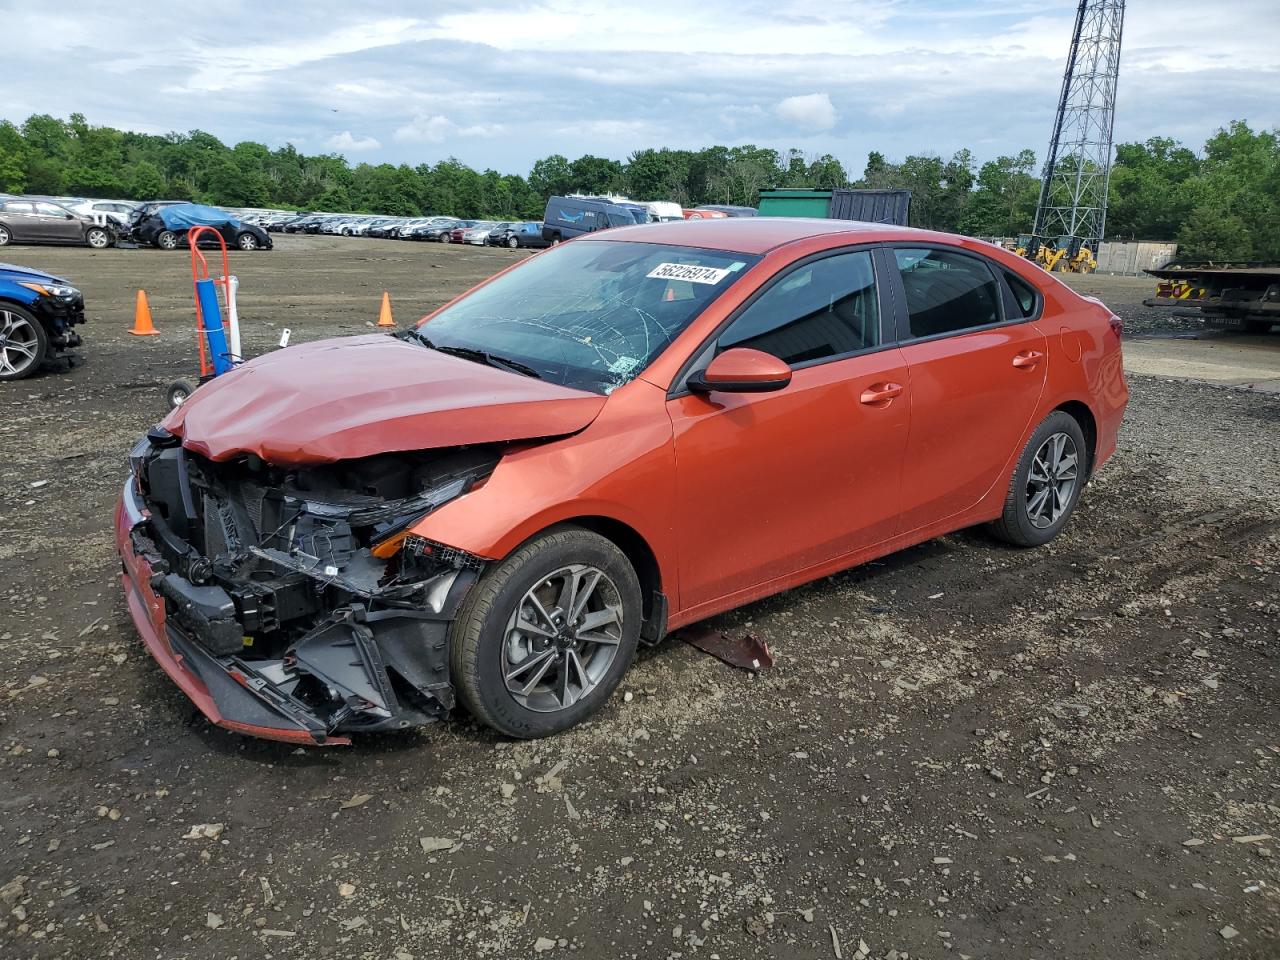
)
(976, 371)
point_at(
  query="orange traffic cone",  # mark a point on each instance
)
(384, 317)
(142, 326)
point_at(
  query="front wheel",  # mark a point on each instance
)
(23, 343)
(247, 241)
(513, 242)
(5, 236)
(1046, 483)
(98, 238)
(544, 637)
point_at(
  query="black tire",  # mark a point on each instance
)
(5, 236)
(168, 240)
(97, 237)
(178, 392)
(1017, 524)
(25, 329)
(247, 241)
(1257, 326)
(478, 635)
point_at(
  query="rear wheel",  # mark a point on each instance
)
(1046, 483)
(23, 343)
(543, 639)
(98, 238)
(168, 240)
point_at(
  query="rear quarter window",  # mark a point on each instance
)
(1026, 299)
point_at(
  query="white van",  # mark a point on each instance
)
(664, 210)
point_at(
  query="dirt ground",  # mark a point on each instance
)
(964, 750)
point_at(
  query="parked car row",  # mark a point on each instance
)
(565, 218)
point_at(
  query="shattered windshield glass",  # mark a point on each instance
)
(590, 315)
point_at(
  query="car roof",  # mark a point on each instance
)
(753, 235)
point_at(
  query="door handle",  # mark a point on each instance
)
(879, 394)
(1028, 359)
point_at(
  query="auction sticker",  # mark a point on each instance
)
(687, 271)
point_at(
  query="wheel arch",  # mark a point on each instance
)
(637, 550)
(1079, 411)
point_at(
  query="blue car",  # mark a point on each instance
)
(513, 235)
(38, 316)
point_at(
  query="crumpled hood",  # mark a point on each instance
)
(355, 397)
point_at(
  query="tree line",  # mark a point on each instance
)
(1221, 202)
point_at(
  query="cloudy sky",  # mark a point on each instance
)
(499, 84)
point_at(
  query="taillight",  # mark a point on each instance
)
(1117, 326)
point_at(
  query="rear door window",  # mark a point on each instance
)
(822, 309)
(946, 291)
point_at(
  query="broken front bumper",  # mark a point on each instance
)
(387, 669)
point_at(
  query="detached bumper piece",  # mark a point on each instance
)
(298, 638)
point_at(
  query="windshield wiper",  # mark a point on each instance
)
(417, 335)
(493, 360)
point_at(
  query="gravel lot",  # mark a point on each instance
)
(964, 749)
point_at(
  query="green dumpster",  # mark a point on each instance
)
(795, 203)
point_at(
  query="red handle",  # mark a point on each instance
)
(881, 393)
(1028, 358)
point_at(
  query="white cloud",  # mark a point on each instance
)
(811, 111)
(344, 142)
(425, 129)
(436, 128)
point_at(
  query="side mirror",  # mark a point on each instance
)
(742, 370)
(68, 216)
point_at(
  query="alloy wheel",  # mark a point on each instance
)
(562, 638)
(19, 344)
(5, 236)
(1051, 482)
(97, 238)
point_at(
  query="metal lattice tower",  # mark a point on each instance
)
(1077, 171)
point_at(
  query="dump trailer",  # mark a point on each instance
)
(1229, 296)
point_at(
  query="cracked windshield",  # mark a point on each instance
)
(590, 315)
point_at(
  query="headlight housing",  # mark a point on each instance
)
(60, 290)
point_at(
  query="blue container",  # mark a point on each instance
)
(214, 334)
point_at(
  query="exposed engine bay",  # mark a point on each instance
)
(303, 586)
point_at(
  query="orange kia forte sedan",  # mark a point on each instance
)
(623, 435)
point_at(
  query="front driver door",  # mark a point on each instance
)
(773, 484)
(975, 380)
(58, 224)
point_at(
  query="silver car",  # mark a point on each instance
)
(41, 221)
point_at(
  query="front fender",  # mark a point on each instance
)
(621, 467)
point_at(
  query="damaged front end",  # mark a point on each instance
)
(291, 602)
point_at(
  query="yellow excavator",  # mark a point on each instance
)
(1064, 255)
